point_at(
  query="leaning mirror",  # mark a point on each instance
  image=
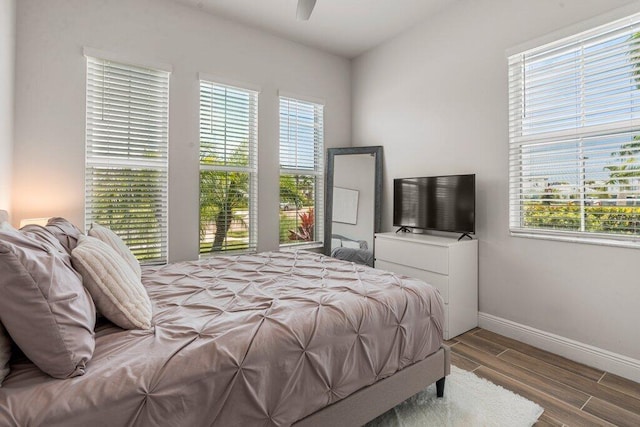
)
(352, 207)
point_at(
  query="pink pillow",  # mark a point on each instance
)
(66, 233)
(5, 354)
(5, 341)
(44, 306)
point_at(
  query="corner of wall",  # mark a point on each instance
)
(7, 108)
(351, 98)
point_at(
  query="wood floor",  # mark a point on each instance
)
(571, 394)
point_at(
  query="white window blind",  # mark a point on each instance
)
(301, 171)
(127, 154)
(228, 168)
(574, 132)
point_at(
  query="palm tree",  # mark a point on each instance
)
(222, 193)
(626, 167)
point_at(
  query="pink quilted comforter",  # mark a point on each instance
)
(262, 339)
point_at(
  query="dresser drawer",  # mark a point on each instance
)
(426, 257)
(438, 281)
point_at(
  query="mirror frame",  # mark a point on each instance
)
(375, 150)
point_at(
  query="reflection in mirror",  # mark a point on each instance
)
(353, 192)
(352, 210)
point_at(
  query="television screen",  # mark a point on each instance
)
(444, 203)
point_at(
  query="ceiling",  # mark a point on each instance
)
(343, 27)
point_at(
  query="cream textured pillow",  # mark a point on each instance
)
(116, 290)
(113, 240)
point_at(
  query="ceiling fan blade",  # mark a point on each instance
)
(305, 7)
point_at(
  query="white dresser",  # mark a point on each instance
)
(449, 265)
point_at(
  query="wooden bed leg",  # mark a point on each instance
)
(440, 387)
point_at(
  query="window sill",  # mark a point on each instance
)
(569, 238)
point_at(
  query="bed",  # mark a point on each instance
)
(276, 338)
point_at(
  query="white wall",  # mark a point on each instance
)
(436, 98)
(50, 99)
(7, 62)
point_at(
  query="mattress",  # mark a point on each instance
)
(262, 339)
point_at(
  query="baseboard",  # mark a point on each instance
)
(584, 353)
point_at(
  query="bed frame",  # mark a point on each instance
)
(371, 401)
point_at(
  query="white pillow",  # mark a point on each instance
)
(116, 290)
(116, 243)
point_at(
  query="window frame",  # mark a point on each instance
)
(97, 157)
(251, 169)
(581, 34)
(318, 106)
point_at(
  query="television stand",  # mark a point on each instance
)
(403, 229)
(446, 264)
(463, 235)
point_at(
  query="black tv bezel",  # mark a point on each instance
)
(437, 229)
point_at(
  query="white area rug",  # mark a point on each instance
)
(468, 401)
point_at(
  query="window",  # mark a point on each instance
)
(301, 171)
(228, 168)
(574, 119)
(126, 154)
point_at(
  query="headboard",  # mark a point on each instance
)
(4, 216)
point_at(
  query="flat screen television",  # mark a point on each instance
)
(443, 203)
